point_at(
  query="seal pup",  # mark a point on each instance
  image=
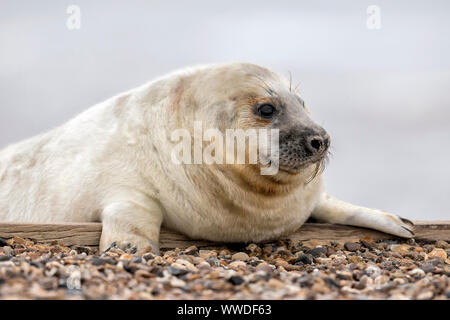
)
(113, 164)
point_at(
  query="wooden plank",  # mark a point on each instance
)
(84, 234)
(88, 234)
(425, 230)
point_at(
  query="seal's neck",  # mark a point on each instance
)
(243, 186)
(248, 177)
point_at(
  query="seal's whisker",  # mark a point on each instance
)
(290, 81)
(267, 88)
(329, 153)
(316, 172)
(323, 164)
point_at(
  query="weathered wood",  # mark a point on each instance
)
(426, 230)
(88, 234)
(85, 234)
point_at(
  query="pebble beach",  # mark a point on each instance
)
(361, 270)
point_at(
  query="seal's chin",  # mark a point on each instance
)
(305, 169)
(296, 169)
(300, 167)
(292, 170)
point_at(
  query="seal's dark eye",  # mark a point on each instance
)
(266, 111)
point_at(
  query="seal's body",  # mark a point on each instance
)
(113, 164)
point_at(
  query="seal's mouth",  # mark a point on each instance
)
(299, 167)
(319, 161)
(302, 163)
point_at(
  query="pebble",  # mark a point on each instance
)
(275, 284)
(236, 280)
(18, 240)
(176, 271)
(241, 256)
(204, 265)
(236, 265)
(264, 267)
(380, 281)
(438, 252)
(252, 247)
(352, 246)
(5, 264)
(332, 282)
(191, 250)
(267, 249)
(442, 244)
(324, 260)
(143, 274)
(126, 257)
(339, 259)
(3, 242)
(427, 267)
(427, 295)
(177, 283)
(148, 256)
(367, 244)
(417, 272)
(400, 248)
(205, 254)
(318, 251)
(373, 271)
(214, 262)
(136, 259)
(355, 259)
(344, 275)
(224, 253)
(8, 251)
(81, 249)
(184, 264)
(303, 259)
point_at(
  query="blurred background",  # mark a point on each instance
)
(382, 94)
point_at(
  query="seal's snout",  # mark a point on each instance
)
(317, 144)
(303, 146)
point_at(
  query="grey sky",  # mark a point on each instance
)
(382, 94)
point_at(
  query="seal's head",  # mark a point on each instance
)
(244, 96)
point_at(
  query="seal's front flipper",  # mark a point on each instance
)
(332, 210)
(127, 225)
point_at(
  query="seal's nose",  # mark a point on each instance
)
(317, 144)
